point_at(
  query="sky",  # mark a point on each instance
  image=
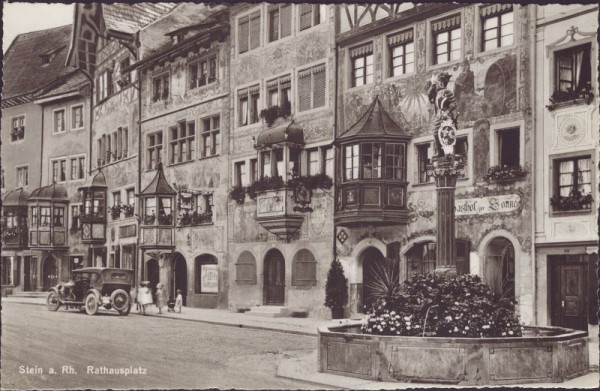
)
(21, 18)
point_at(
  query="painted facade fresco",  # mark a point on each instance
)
(487, 90)
(201, 175)
(292, 54)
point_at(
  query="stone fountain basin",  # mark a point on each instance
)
(543, 354)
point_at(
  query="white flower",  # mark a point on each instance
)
(503, 334)
(392, 328)
(393, 313)
(466, 327)
(487, 326)
(510, 332)
(449, 318)
(407, 318)
(408, 327)
(455, 328)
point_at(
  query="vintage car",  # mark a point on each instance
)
(93, 287)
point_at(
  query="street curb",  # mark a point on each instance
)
(236, 325)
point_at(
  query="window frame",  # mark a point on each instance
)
(196, 64)
(431, 61)
(64, 120)
(19, 169)
(72, 110)
(322, 16)
(277, 8)
(495, 129)
(246, 93)
(182, 138)
(389, 56)
(311, 71)
(280, 84)
(15, 130)
(582, 45)
(498, 16)
(367, 51)
(158, 90)
(151, 164)
(555, 161)
(249, 16)
(213, 134)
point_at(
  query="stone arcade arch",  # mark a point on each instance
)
(178, 278)
(274, 278)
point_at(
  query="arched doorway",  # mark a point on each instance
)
(153, 274)
(499, 267)
(49, 273)
(372, 261)
(179, 277)
(274, 278)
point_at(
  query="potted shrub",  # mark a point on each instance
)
(336, 290)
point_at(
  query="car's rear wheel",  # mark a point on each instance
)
(91, 304)
(52, 301)
(119, 300)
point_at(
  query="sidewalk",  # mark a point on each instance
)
(304, 368)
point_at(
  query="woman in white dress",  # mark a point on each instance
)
(144, 296)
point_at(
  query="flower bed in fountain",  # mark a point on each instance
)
(450, 331)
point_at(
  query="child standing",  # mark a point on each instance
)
(133, 294)
(160, 297)
(144, 296)
(179, 300)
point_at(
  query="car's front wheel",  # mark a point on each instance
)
(52, 301)
(91, 304)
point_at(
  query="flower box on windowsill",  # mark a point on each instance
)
(570, 98)
(504, 174)
(572, 203)
(195, 218)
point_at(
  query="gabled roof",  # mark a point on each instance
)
(121, 20)
(159, 185)
(24, 68)
(17, 197)
(53, 192)
(375, 122)
(73, 83)
(130, 17)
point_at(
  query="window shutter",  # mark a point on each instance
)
(285, 18)
(246, 269)
(254, 30)
(243, 34)
(304, 269)
(319, 81)
(304, 90)
(305, 16)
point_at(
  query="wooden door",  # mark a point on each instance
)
(50, 273)
(274, 284)
(569, 307)
(34, 273)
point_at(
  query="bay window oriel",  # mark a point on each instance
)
(374, 183)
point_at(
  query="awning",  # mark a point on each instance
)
(284, 132)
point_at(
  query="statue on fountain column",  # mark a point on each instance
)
(445, 119)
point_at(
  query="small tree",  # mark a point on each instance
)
(336, 289)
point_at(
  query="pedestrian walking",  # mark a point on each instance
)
(133, 294)
(144, 296)
(160, 297)
(179, 300)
